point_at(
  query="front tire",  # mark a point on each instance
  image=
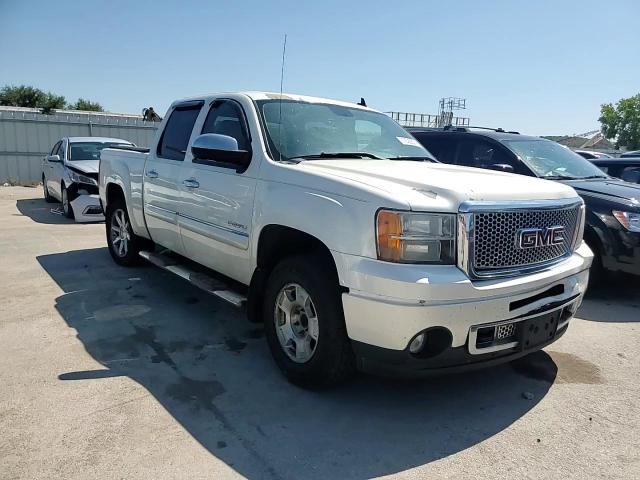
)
(124, 245)
(66, 204)
(304, 323)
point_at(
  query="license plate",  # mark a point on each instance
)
(539, 330)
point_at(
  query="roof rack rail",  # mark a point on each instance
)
(499, 130)
(454, 128)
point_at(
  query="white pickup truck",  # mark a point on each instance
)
(329, 223)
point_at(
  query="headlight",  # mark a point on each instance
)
(76, 177)
(405, 237)
(630, 221)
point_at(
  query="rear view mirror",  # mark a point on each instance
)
(220, 148)
(53, 158)
(501, 167)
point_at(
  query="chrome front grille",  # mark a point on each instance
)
(490, 236)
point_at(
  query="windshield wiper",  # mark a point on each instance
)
(415, 159)
(336, 155)
(558, 177)
(592, 176)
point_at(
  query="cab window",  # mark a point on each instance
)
(226, 118)
(176, 135)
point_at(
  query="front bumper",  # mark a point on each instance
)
(87, 208)
(387, 305)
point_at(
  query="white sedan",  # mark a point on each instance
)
(70, 175)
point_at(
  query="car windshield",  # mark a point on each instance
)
(297, 130)
(90, 150)
(553, 161)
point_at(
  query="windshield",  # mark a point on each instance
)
(553, 161)
(321, 129)
(90, 150)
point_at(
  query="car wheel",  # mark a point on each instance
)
(304, 323)
(124, 245)
(66, 204)
(48, 198)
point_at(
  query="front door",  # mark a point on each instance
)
(163, 173)
(218, 200)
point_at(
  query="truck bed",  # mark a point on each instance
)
(124, 166)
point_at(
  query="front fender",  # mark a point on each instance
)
(342, 224)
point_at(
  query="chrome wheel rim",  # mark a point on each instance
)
(296, 323)
(120, 233)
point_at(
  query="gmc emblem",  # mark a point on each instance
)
(539, 237)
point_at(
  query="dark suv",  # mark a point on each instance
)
(613, 205)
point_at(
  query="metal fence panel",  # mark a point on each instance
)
(27, 135)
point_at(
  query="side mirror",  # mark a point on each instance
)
(213, 147)
(501, 167)
(53, 158)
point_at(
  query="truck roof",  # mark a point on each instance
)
(259, 95)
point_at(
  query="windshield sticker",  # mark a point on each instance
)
(409, 141)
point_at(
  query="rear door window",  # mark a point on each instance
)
(176, 135)
(54, 150)
(443, 147)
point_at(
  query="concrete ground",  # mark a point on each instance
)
(109, 372)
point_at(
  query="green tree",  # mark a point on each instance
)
(622, 122)
(25, 96)
(86, 105)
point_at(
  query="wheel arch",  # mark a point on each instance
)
(276, 242)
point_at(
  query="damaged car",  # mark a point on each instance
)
(70, 175)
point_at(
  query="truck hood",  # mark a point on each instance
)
(85, 166)
(434, 185)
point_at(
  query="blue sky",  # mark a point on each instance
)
(541, 67)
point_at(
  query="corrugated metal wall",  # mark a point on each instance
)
(26, 136)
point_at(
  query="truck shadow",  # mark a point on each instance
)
(211, 370)
(38, 210)
(615, 301)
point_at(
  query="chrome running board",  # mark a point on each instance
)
(201, 280)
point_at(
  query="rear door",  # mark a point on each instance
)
(57, 174)
(164, 171)
(218, 200)
(50, 173)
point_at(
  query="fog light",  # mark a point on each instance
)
(417, 343)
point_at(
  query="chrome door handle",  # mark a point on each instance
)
(191, 183)
(152, 174)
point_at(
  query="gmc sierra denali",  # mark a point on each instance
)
(332, 225)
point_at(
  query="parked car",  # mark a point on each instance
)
(591, 154)
(635, 153)
(70, 175)
(337, 229)
(627, 169)
(613, 206)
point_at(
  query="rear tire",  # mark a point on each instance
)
(124, 245)
(312, 309)
(66, 204)
(48, 198)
